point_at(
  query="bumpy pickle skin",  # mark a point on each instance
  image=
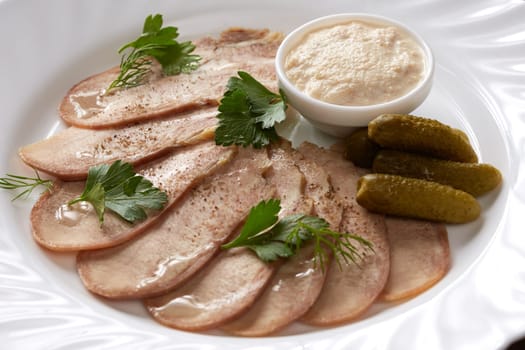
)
(416, 198)
(474, 178)
(421, 135)
(359, 149)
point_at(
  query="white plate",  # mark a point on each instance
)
(479, 87)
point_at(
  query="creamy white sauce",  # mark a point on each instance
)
(356, 63)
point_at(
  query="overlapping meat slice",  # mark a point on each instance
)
(86, 104)
(299, 280)
(183, 239)
(226, 286)
(349, 291)
(58, 226)
(327, 204)
(419, 254)
(71, 152)
(232, 281)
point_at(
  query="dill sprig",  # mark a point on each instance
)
(133, 69)
(272, 238)
(341, 246)
(16, 182)
(157, 43)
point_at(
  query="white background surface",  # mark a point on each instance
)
(479, 47)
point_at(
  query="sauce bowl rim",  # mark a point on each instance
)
(292, 39)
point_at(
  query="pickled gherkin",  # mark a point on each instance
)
(474, 178)
(421, 135)
(359, 149)
(416, 198)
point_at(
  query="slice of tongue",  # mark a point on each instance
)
(60, 227)
(419, 257)
(185, 238)
(232, 281)
(349, 289)
(299, 280)
(86, 105)
(70, 153)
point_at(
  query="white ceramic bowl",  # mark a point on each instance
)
(339, 120)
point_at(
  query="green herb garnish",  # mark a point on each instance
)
(271, 238)
(118, 188)
(14, 182)
(248, 113)
(158, 43)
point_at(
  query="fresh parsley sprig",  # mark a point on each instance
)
(271, 238)
(248, 113)
(157, 43)
(15, 182)
(118, 188)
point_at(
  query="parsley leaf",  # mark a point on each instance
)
(118, 188)
(271, 238)
(248, 113)
(157, 43)
(260, 218)
(272, 250)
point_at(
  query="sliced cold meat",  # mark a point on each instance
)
(349, 289)
(299, 280)
(71, 152)
(87, 105)
(232, 281)
(419, 254)
(289, 294)
(183, 239)
(319, 188)
(58, 226)
(419, 257)
(226, 286)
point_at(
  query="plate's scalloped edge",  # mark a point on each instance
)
(484, 311)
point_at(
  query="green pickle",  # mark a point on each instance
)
(416, 198)
(359, 149)
(474, 178)
(421, 135)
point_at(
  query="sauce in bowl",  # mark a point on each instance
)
(356, 63)
(341, 71)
